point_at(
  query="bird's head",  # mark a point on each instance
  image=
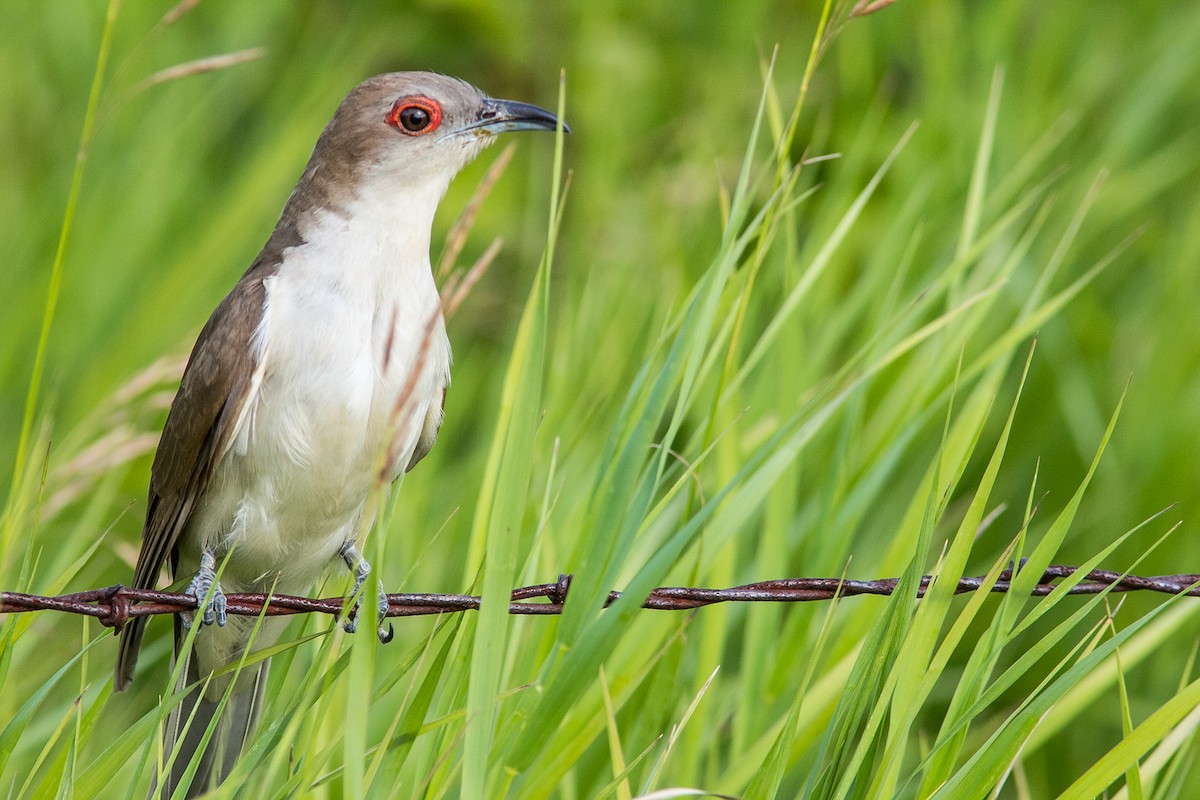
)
(419, 126)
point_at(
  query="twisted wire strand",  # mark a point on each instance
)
(114, 605)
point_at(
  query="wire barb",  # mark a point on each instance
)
(115, 605)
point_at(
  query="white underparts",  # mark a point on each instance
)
(352, 357)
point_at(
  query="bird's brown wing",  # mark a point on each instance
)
(220, 380)
(429, 432)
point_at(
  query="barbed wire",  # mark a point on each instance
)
(115, 605)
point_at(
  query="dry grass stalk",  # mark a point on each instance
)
(198, 67)
(402, 411)
(864, 7)
(110, 436)
(460, 285)
(457, 237)
(181, 8)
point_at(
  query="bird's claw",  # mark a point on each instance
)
(205, 585)
(362, 569)
(385, 634)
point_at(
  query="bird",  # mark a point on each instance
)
(327, 360)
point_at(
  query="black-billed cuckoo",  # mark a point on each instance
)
(329, 354)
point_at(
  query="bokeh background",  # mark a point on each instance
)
(184, 180)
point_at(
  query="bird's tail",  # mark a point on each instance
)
(188, 724)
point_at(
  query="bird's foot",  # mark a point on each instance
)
(385, 634)
(354, 561)
(204, 586)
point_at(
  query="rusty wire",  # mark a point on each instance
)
(114, 605)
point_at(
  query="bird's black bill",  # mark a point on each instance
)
(509, 115)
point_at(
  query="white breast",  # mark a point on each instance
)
(354, 353)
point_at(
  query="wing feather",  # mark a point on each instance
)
(429, 431)
(219, 382)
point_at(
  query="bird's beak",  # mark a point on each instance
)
(497, 116)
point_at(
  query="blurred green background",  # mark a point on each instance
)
(184, 181)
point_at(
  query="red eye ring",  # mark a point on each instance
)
(415, 115)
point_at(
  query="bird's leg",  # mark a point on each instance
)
(354, 561)
(204, 581)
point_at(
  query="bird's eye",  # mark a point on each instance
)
(415, 115)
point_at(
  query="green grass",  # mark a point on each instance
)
(705, 355)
